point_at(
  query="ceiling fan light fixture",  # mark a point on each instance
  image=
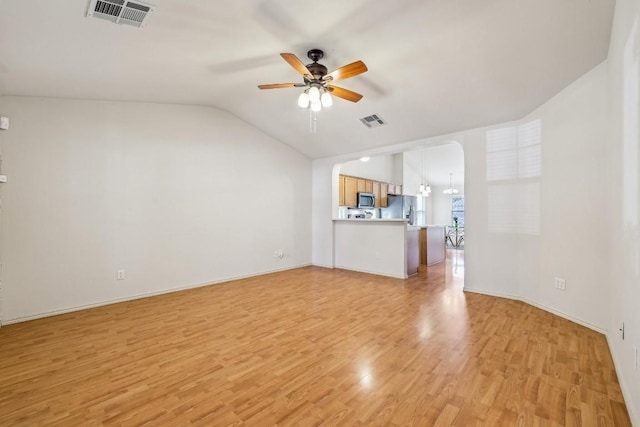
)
(326, 100)
(316, 106)
(314, 94)
(303, 100)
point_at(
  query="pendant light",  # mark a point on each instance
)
(424, 191)
(428, 188)
(450, 190)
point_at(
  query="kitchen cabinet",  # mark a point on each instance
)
(368, 185)
(362, 185)
(349, 186)
(384, 189)
(395, 189)
(350, 191)
(375, 189)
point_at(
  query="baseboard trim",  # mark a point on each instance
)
(491, 293)
(542, 307)
(143, 295)
(377, 273)
(635, 417)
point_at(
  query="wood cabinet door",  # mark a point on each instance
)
(368, 186)
(384, 189)
(375, 189)
(341, 189)
(362, 185)
(350, 191)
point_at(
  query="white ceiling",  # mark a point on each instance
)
(435, 66)
(437, 162)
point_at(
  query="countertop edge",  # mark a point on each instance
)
(371, 220)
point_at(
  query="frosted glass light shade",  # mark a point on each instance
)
(326, 100)
(314, 94)
(303, 100)
(316, 106)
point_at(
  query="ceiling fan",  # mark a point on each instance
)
(317, 80)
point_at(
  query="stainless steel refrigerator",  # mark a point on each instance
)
(402, 207)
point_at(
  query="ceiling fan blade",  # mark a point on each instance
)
(277, 85)
(347, 71)
(297, 64)
(343, 93)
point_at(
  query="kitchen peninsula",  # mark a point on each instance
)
(388, 247)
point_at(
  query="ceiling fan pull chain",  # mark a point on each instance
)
(313, 121)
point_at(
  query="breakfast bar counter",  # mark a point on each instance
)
(388, 247)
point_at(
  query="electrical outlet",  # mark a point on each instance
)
(622, 331)
(278, 253)
(635, 358)
(120, 275)
(560, 284)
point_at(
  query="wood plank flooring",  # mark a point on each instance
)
(307, 347)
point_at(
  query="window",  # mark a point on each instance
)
(514, 167)
(457, 210)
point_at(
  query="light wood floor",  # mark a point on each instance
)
(311, 347)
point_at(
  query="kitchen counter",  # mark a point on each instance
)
(372, 219)
(432, 244)
(384, 246)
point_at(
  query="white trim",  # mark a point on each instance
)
(324, 266)
(543, 307)
(635, 418)
(568, 317)
(490, 293)
(144, 295)
(377, 273)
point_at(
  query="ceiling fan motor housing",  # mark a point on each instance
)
(318, 70)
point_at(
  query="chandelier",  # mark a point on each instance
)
(450, 190)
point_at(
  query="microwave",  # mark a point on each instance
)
(366, 200)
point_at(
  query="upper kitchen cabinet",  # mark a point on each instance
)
(384, 190)
(350, 191)
(395, 189)
(371, 177)
(375, 189)
(350, 186)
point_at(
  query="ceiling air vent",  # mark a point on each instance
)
(126, 12)
(372, 121)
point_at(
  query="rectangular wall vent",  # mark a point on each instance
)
(125, 12)
(373, 121)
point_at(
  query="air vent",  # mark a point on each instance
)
(372, 121)
(126, 12)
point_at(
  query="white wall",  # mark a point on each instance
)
(569, 236)
(623, 189)
(573, 205)
(177, 196)
(413, 171)
(378, 168)
(440, 205)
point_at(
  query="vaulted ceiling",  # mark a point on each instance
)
(435, 66)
